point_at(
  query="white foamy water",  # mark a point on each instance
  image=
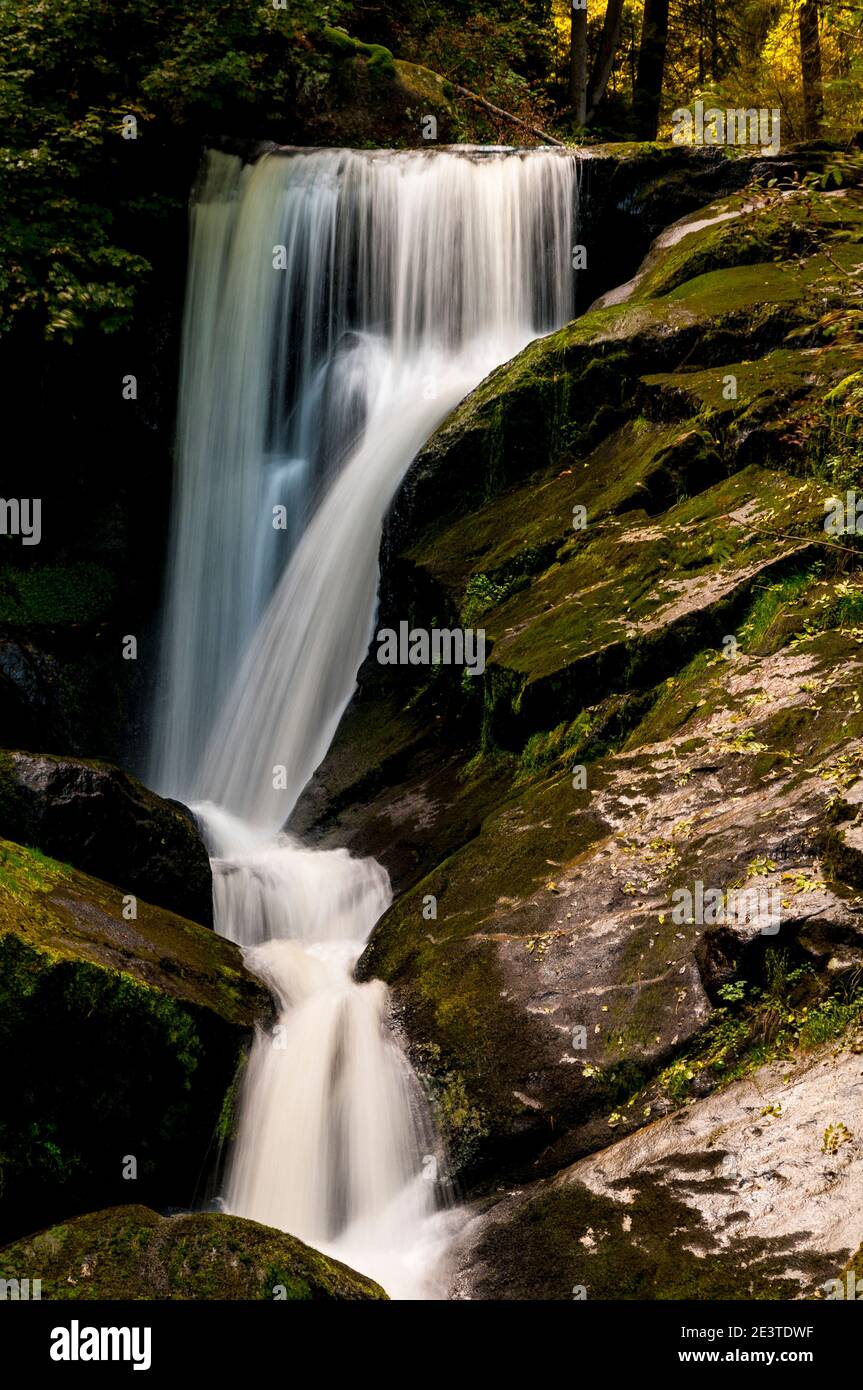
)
(336, 1144)
(311, 388)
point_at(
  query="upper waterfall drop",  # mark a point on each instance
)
(407, 278)
(339, 306)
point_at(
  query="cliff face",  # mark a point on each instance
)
(669, 708)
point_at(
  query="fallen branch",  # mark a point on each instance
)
(507, 115)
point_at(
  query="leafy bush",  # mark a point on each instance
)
(79, 202)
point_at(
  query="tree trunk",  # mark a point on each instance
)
(604, 61)
(810, 63)
(578, 64)
(651, 69)
(713, 31)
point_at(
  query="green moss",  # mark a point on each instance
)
(228, 1114)
(290, 1287)
(67, 915)
(424, 84)
(772, 603)
(654, 1245)
(25, 873)
(152, 1014)
(55, 594)
(460, 1123)
(131, 1253)
(483, 592)
(748, 234)
(705, 518)
(380, 59)
(550, 746)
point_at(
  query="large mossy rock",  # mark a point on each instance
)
(367, 98)
(122, 1038)
(754, 1193)
(670, 697)
(130, 1252)
(102, 820)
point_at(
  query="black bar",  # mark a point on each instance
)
(239, 1339)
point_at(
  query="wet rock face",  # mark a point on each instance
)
(61, 690)
(130, 1252)
(105, 822)
(570, 963)
(667, 726)
(125, 1026)
(753, 1193)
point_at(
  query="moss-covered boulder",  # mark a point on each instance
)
(130, 1252)
(123, 1027)
(668, 699)
(752, 1194)
(368, 98)
(102, 820)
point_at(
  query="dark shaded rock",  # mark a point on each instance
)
(104, 821)
(843, 848)
(122, 1035)
(130, 1252)
(63, 690)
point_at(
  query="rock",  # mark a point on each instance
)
(668, 700)
(130, 1252)
(558, 917)
(370, 99)
(122, 1036)
(753, 1193)
(854, 1268)
(102, 820)
(60, 688)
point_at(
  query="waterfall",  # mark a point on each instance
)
(339, 306)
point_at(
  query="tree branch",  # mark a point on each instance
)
(507, 115)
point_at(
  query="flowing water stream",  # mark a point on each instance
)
(339, 305)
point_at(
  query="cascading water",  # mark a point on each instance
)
(339, 306)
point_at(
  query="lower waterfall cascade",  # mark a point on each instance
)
(339, 306)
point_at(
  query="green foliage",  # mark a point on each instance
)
(77, 220)
(548, 747)
(732, 993)
(780, 974)
(743, 55)
(789, 1013)
(506, 52)
(836, 440)
(773, 600)
(482, 593)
